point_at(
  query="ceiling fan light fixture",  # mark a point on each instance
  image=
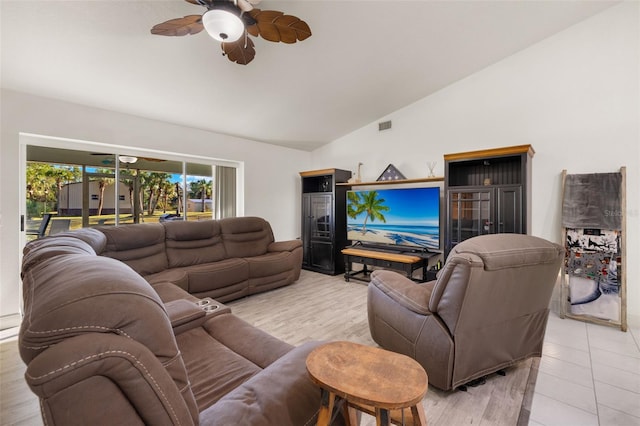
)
(127, 159)
(223, 25)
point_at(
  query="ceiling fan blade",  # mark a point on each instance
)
(277, 27)
(153, 160)
(241, 51)
(191, 24)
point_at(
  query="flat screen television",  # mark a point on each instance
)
(395, 217)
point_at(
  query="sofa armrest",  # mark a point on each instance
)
(184, 315)
(405, 292)
(99, 376)
(289, 245)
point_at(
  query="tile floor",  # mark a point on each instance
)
(589, 374)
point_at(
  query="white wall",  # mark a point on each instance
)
(574, 97)
(271, 180)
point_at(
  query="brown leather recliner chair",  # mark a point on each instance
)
(487, 310)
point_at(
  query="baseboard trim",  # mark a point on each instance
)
(10, 321)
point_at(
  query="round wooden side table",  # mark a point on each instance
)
(388, 385)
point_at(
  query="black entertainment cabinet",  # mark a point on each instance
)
(324, 219)
(487, 192)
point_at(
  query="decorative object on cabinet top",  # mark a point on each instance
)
(356, 178)
(391, 173)
(432, 166)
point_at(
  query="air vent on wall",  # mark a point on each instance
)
(384, 125)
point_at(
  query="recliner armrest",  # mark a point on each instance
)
(85, 376)
(289, 245)
(405, 292)
(184, 315)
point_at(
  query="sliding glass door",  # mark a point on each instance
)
(79, 188)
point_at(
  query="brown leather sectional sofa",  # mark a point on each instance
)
(223, 259)
(105, 346)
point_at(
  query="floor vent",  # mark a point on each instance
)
(384, 125)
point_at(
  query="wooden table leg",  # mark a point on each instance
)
(326, 407)
(351, 415)
(417, 414)
(383, 417)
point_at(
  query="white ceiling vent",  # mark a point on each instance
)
(384, 125)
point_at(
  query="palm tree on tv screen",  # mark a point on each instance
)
(369, 203)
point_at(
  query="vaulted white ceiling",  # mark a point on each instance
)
(365, 60)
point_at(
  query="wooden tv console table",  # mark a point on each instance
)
(403, 261)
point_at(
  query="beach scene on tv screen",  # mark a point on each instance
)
(408, 216)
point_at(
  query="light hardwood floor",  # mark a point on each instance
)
(317, 307)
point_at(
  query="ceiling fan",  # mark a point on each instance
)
(129, 159)
(231, 21)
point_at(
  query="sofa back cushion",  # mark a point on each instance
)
(193, 243)
(37, 251)
(72, 295)
(246, 236)
(141, 246)
(492, 279)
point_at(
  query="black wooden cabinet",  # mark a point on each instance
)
(324, 221)
(487, 192)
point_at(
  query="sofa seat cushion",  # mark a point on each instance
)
(259, 400)
(289, 245)
(225, 352)
(216, 275)
(213, 369)
(177, 277)
(169, 292)
(270, 264)
(250, 342)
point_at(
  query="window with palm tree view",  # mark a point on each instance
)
(69, 189)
